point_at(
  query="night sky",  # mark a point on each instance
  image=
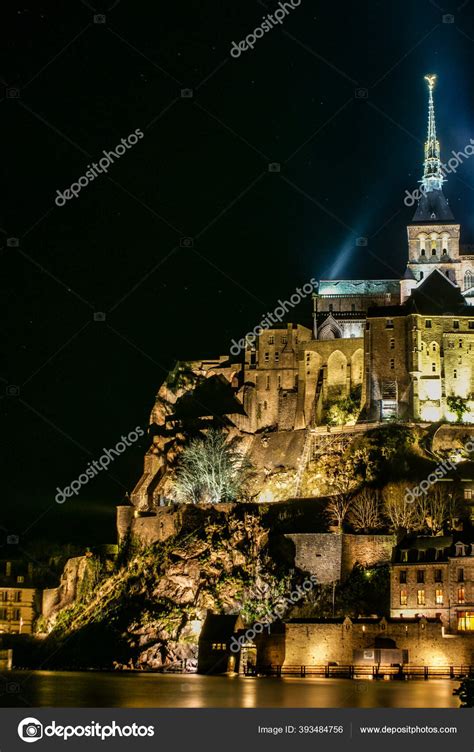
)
(335, 95)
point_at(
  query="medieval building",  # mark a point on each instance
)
(392, 348)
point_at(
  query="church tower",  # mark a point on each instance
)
(433, 234)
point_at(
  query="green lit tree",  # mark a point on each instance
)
(212, 470)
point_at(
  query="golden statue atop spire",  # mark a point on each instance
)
(431, 78)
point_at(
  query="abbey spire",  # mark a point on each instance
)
(433, 205)
(432, 177)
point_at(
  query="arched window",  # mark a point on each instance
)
(468, 279)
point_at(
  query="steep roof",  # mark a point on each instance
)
(433, 207)
(435, 295)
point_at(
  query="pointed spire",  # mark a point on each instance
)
(432, 176)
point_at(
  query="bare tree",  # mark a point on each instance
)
(212, 469)
(364, 513)
(400, 512)
(441, 509)
(343, 485)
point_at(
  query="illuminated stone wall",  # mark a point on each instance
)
(317, 643)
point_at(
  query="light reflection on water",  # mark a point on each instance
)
(137, 690)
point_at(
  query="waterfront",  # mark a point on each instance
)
(145, 690)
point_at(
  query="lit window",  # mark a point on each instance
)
(439, 597)
(428, 324)
(420, 597)
(461, 594)
(466, 621)
(468, 493)
(403, 597)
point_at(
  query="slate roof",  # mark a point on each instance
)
(433, 207)
(435, 295)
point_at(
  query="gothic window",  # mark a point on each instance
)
(433, 251)
(468, 279)
(423, 252)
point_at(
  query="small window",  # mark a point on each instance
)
(20, 578)
(403, 597)
(438, 575)
(284, 340)
(460, 575)
(456, 324)
(267, 385)
(439, 596)
(468, 493)
(279, 381)
(433, 251)
(471, 325)
(460, 343)
(433, 367)
(277, 357)
(389, 324)
(428, 324)
(392, 344)
(420, 597)
(330, 307)
(271, 340)
(403, 576)
(455, 374)
(266, 357)
(17, 596)
(404, 555)
(461, 594)
(420, 575)
(392, 364)
(423, 252)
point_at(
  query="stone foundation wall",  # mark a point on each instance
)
(332, 557)
(366, 550)
(321, 643)
(318, 553)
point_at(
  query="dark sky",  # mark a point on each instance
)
(335, 95)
